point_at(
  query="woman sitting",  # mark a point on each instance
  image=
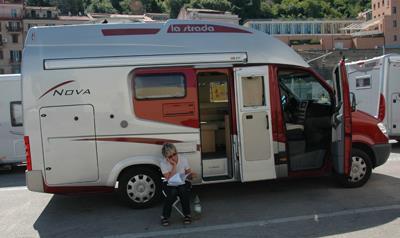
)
(175, 170)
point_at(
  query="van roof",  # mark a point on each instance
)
(171, 37)
(10, 77)
(393, 56)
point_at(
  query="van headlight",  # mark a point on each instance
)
(383, 129)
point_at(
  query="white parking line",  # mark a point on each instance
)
(17, 188)
(314, 217)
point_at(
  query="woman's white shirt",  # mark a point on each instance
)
(181, 166)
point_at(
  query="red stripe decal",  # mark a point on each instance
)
(156, 141)
(57, 86)
(127, 31)
(77, 189)
(204, 28)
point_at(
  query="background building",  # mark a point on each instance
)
(11, 37)
(207, 15)
(379, 27)
(307, 34)
(47, 16)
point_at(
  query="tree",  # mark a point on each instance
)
(174, 6)
(44, 3)
(100, 6)
(221, 5)
(132, 7)
(72, 6)
(247, 9)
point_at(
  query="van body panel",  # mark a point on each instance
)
(68, 144)
(221, 111)
(12, 150)
(372, 79)
(34, 180)
(362, 123)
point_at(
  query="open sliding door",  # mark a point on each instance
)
(254, 123)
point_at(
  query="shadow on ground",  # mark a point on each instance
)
(102, 215)
(13, 177)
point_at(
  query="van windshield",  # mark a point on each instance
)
(304, 87)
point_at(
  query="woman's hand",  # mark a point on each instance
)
(172, 162)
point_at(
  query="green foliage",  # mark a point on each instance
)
(246, 9)
(174, 6)
(100, 6)
(305, 42)
(220, 5)
(72, 6)
(44, 3)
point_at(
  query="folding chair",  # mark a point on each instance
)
(175, 204)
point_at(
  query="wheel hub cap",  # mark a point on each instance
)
(141, 188)
(358, 169)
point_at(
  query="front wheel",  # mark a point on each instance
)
(140, 187)
(360, 171)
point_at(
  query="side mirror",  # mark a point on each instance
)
(353, 101)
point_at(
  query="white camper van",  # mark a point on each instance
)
(100, 100)
(12, 149)
(376, 84)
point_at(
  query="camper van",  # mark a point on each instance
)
(99, 101)
(12, 149)
(375, 83)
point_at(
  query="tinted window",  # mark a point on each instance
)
(253, 91)
(16, 113)
(363, 82)
(159, 86)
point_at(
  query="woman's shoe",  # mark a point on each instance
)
(187, 220)
(164, 222)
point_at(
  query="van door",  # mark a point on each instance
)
(69, 149)
(394, 114)
(254, 123)
(341, 130)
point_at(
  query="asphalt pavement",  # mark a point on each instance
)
(309, 207)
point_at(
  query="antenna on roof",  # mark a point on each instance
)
(105, 21)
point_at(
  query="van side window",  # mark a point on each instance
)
(16, 113)
(253, 91)
(159, 86)
(363, 82)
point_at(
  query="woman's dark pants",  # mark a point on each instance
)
(172, 192)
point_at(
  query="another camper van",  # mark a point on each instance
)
(101, 100)
(12, 149)
(376, 85)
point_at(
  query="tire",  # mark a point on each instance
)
(140, 187)
(360, 171)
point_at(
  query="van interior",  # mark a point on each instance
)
(214, 106)
(307, 109)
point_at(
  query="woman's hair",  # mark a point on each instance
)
(168, 149)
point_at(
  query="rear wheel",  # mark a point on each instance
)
(140, 187)
(360, 171)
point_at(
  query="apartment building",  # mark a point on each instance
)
(386, 19)
(15, 21)
(11, 37)
(48, 16)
